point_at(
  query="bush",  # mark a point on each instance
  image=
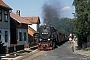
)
(88, 48)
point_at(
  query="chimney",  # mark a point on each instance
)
(18, 12)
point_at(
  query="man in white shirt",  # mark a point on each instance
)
(70, 37)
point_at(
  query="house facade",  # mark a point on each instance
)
(31, 31)
(19, 30)
(4, 23)
(15, 29)
(35, 22)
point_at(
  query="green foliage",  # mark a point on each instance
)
(88, 48)
(82, 18)
(65, 25)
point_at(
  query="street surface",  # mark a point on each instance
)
(62, 53)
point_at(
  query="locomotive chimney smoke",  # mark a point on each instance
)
(51, 12)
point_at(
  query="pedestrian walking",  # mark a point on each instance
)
(73, 43)
(72, 40)
(70, 37)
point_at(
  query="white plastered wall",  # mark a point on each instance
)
(34, 26)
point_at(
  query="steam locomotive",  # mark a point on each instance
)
(48, 37)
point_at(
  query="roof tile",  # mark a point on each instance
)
(18, 18)
(32, 19)
(4, 4)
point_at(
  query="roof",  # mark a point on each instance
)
(4, 4)
(18, 18)
(31, 31)
(32, 19)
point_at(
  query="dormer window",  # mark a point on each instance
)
(6, 15)
(0, 15)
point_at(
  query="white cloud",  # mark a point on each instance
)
(65, 8)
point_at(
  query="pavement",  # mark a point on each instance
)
(18, 54)
(80, 51)
(76, 51)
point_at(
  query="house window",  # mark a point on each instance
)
(6, 15)
(6, 36)
(20, 36)
(24, 36)
(0, 36)
(0, 15)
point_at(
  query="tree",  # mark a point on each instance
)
(65, 25)
(81, 20)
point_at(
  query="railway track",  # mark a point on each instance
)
(20, 55)
(32, 55)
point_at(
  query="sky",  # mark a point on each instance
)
(34, 7)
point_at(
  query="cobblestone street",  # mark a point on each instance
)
(62, 53)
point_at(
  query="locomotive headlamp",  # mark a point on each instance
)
(48, 39)
(40, 39)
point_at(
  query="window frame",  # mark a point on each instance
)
(6, 36)
(1, 14)
(25, 38)
(0, 35)
(20, 36)
(6, 15)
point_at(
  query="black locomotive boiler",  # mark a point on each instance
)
(47, 38)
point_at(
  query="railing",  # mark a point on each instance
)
(10, 49)
(2, 49)
(14, 48)
(19, 47)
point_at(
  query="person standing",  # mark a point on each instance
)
(70, 37)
